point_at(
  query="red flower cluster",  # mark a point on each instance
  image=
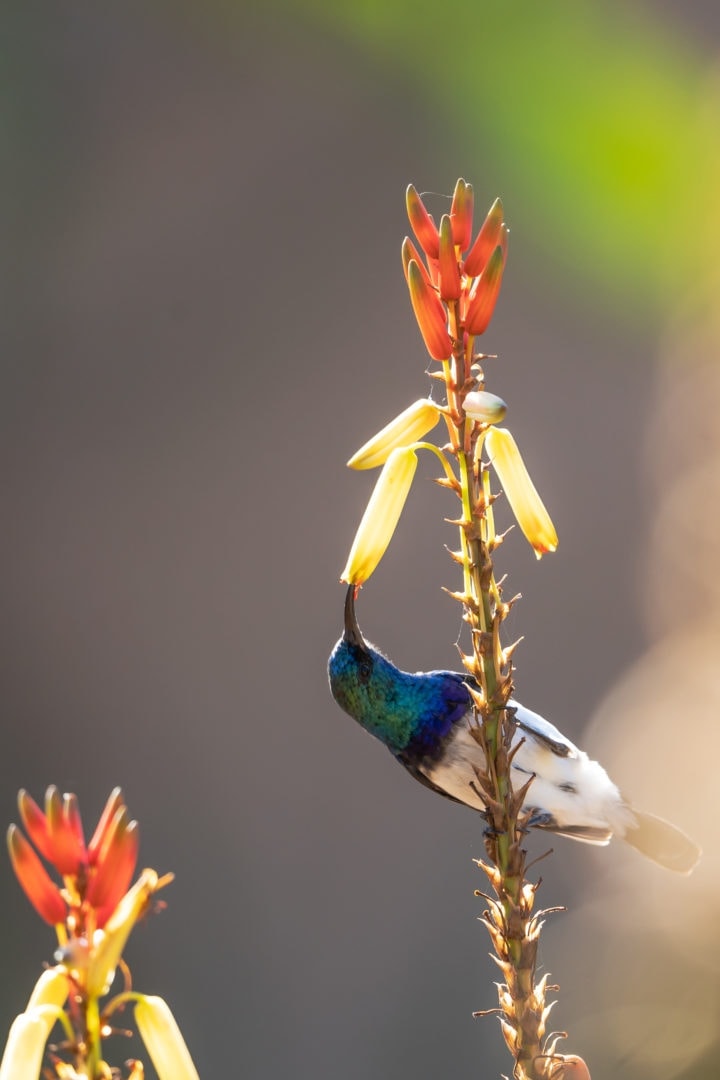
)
(95, 875)
(454, 297)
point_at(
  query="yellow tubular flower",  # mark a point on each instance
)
(165, 1044)
(25, 1046)
(50, 989)
(411, 424)
(381, 515)
(528, 507)
(109, 943)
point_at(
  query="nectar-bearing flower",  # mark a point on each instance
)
(527, 506)
(165, 1044)
(381, 515)
(25, 1047)
(409, 426)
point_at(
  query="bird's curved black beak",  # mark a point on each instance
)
(352, 631)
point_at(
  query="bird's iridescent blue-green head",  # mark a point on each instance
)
(401, 709)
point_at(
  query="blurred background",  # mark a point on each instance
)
(203, 316)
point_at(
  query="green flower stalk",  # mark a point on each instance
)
(454, 286)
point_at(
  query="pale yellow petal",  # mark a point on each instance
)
(381, 515)
(411, 424)
(109, 943)
(25, 1047)
(528, 507)
(165, 1044)
(51, 988)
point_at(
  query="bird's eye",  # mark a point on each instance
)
(365, 670)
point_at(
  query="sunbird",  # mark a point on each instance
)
(424, 720)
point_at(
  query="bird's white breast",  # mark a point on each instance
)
(576, 791)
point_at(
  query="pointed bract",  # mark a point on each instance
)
(381, 516)
(461, 214)
(527, 506)
(163, 1039)
(411, 424)
(430, 314)
(449, 280)
(422, 224)
(40, 890)
(484, 294)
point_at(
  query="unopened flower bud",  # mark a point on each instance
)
(570, 1067)
(423, 225)
(484, 294)
(528, 507)
(381, 515)
(40, 889)
(486, 241)
(461, 214)
(411, 424)
(449, 280)
(486, 407)
(430, 313)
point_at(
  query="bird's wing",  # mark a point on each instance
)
(415, 772)
(542, 730)
(589, 834)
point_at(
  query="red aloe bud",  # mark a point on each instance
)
(114, 874)
(484, 294)
(35, 824)
(450, 284)
(461, 214)
(429, 313)
(115, 801)
(423, 225)
(486, 241)
(71, 813)
(68, 853)
(408, 252)
(40, 890)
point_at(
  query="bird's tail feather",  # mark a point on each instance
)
(663, 843)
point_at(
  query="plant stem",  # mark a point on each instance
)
(513, 929)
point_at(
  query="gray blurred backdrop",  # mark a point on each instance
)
(203, 316)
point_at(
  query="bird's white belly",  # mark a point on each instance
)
(573, 789)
